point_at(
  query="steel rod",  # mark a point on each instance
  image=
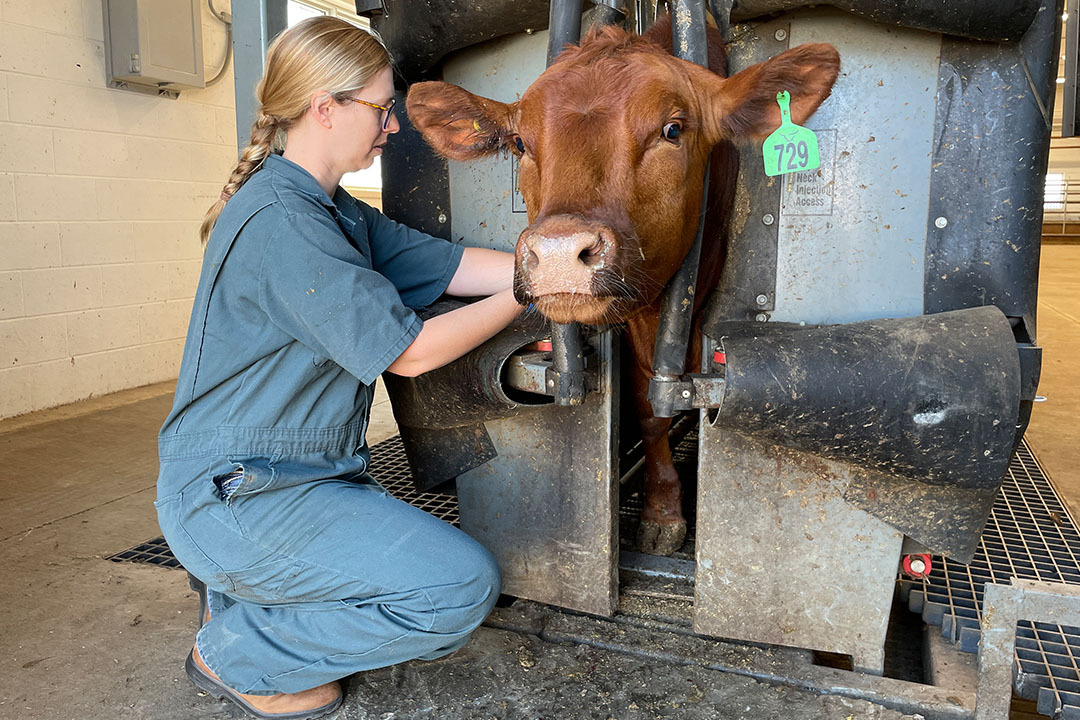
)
(677, 304)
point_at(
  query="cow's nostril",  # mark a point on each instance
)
(592, 254)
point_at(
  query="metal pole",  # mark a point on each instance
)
(677, 305)
(255, 23)
(608, 12)
(568, 360)
(1070, 97)
(564, 26)
(567, 374)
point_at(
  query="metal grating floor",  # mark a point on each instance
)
(391, 468)
(1029, 535)
(154, 552)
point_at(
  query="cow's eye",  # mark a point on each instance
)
(671, 131)
(520, 145)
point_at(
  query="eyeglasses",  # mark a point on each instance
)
(388, 109)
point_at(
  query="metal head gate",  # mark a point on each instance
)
(876, 319)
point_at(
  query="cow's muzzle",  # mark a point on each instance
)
(563, 254)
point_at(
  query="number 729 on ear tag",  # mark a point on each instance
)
(791, 148)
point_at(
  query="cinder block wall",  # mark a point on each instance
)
(101, 195)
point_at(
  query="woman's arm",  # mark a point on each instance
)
(482, 272)
(447, 337)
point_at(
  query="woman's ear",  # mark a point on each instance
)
(319, 107)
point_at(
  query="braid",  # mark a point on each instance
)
(251, 159)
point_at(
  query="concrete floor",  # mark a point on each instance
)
(83, 637)
(1054, 432)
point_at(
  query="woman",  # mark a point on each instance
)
(312, 572)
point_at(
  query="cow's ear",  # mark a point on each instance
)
(747, 100)
(458, 124)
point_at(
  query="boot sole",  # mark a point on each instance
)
(221, 691)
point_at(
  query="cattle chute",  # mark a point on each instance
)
(896, 227)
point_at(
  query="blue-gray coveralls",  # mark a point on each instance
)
(314, 572)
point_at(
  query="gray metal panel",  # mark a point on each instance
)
(546, 506)
(849, 245)
(782, 558)
(852, 234)
(488, 211)
(173, 42)
(154, 43)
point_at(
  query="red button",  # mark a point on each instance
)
(719, 357)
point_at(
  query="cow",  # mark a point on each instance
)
(612, 141)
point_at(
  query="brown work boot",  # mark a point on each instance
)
(305, 705)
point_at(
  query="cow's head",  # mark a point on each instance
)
(613, 140)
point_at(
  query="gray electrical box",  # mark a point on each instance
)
(154, 45)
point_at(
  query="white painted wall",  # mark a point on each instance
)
(101, 195)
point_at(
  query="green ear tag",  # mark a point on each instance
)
(791, 148)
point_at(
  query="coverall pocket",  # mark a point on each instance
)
(257, 474)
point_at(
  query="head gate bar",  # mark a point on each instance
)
(677, 306)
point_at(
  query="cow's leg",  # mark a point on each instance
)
(663, 528)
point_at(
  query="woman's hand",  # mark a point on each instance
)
(482, 272)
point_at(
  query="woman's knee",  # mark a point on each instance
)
(463, 605)
(461, 598)
(487, 580)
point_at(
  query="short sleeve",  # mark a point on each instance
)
(317, 287)
(419, 265)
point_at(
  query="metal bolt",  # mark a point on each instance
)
(686, 393)
(918, 566)
(780, 35)
(551, 383)
(761, 317)
(762, 299)
(442, 217)
(768, 219)
(941, 222)
(1040, 398)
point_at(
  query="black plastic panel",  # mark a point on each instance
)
(978, 19)
(416, 181)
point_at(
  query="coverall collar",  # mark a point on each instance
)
(306, 183)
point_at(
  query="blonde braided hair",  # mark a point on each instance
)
(320, 53)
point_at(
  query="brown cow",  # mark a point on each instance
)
(613, 140)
